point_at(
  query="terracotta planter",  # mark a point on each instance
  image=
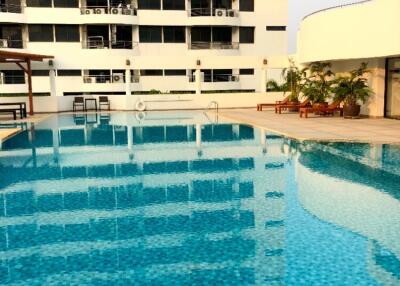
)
(317, 105)
(351, 111)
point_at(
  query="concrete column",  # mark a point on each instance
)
(130, 141)
(263, 140)
(128, 90)
(197, 76)
(52, 78)
(263, 80)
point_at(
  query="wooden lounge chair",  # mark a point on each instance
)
(12, 111)
(322, 110)
(280, 107)
(261, 105)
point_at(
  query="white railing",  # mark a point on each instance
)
(11, 44)
(97, 42)
(216, 78)
(214, 45)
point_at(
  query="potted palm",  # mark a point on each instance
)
(352, 89)
(294, 80)
(318, 84)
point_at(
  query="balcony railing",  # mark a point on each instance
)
(99, 43)
(216, 78)
(11, 44)
(98, 10)
(214, 45)
(11, 8)
(115, 78)
(215, 12)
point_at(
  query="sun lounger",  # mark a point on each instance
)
(261, 105)
(322, 110)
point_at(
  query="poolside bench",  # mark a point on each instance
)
(10, 110)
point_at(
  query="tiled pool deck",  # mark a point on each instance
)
(289, 124)
(366, 130)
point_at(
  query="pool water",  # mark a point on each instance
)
(180, 199)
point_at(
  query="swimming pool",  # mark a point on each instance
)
(179, 199)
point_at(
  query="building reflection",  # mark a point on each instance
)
(194, 219)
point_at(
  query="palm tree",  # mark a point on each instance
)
(294, 80)
(318, 85)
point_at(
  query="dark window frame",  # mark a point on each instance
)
(39, 36)
(246, 5)
(175, 5)
(248, 71)
(175, 72)
(154, 36)
(149, 4)
(245, 37)
(276, 28)
(151, 72)
(69, 72)
(67, 36)
(174, 37)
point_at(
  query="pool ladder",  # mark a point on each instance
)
(211, 104)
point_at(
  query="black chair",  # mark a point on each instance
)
(103, 100)
(78, 101)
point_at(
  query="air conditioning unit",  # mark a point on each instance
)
(99, 11)
(230, 13)
(3, 43)
(220, 12)
(118, 78)
(86, 11)
(116, 11)
(87, 80)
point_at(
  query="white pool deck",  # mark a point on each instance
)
(366, 130)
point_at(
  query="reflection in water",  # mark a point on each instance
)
(105, 199)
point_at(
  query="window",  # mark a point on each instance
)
(175, 72)
(150, 34)
(151, 72)
(149, 4)
(41, 33)
(40, 72)
(246, 35)
(38, 3)
(69, 73)
(174, 34)
(246, 5)
(67, 33)
(66, 3)
(276, 28)
(246, 71)
(14, 76)
(173, 4)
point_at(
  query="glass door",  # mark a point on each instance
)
(393, 89)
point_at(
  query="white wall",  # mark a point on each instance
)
(367, 30)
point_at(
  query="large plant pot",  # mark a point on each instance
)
(316, 106)
(294, 108)
(351, 111)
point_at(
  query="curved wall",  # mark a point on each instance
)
(351, 32)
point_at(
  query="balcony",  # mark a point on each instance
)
(11, 8)
(216, 78)
(11, 44)
(214, 46)
(105, 10)
(211, 16)
(115, 78)
(98, 42)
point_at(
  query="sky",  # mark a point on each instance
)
(299, 8)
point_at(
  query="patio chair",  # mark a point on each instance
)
(261, 105)
(78, 101)
(322, 110)
(280, 107)
(103, 100)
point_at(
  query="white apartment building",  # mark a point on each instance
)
(188, 49)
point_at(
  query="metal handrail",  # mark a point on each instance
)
(108, 79)
(336, 7)
(216, 106)
(11, 8)
(214, 45)
(95, 10)
(215, 12)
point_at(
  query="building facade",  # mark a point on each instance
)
(124, 47)
(347, 35)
